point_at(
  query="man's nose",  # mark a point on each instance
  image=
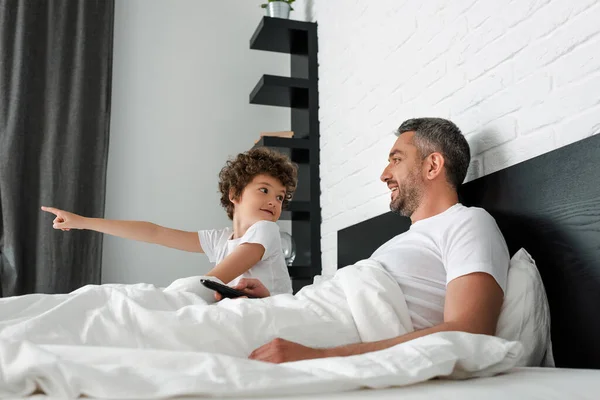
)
(385, 175)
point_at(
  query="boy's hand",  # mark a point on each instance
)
(65, 220)
(252, 286)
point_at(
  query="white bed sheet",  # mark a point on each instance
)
(520, 383)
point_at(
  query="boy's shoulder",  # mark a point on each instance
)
(265, 225)
(266, 233)
(216, 232)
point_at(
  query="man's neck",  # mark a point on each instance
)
(434, 204)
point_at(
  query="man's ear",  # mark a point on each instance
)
(435, 165)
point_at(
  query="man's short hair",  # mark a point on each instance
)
(442, 136)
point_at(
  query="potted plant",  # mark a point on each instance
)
(278, 8)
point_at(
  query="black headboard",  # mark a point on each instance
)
(550, 205)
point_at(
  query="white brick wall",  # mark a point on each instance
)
(519, 77)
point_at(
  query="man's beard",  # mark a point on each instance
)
(409, 196)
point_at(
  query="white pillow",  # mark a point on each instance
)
(525, 314)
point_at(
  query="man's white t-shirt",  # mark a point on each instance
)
(271, 270)
(434, 251)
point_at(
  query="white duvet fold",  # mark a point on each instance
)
(139, 341)
(361, 303)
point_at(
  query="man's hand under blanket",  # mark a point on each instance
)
(473, 304)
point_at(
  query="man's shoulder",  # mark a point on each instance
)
(473, 213)
(475, 220)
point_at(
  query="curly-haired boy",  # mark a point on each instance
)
(254, 187)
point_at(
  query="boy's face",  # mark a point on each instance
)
(261, 199)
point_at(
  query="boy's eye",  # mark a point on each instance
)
(279, 198)
(264, 190)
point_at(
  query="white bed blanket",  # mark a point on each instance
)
(139, 341)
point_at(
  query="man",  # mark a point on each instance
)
(452, 264)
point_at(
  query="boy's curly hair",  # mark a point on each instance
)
(239, 172)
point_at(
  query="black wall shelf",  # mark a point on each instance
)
(299, 210)
(300, 93)
(296, 149)
(281, 36)
(291, 143)
(280, 91)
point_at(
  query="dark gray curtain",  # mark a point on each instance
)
(55, 81)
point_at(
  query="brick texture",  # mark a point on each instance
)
(519, 77)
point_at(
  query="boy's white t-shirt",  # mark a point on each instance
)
(271, 270)
(436, 250)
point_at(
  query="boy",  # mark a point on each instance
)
(254, 187)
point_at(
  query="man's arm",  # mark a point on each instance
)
(473, 304)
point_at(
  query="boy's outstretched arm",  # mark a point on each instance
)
(136, 230)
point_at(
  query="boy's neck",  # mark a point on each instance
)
(240, 227)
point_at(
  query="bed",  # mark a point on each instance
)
(549, 205)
